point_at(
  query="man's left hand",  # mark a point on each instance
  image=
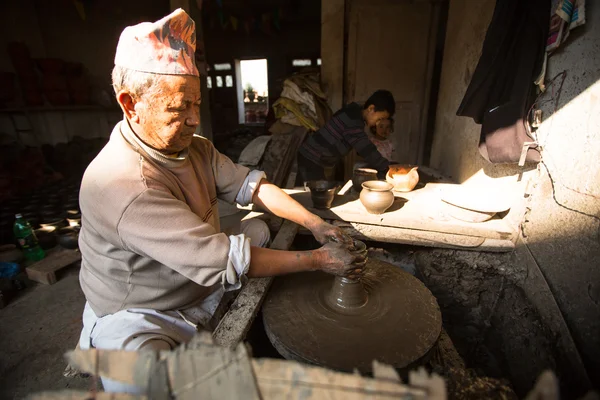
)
(326, 233)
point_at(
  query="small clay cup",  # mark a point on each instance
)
(361, 175)
(377, 196)
(322, 193)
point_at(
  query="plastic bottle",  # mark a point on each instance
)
(27, 239)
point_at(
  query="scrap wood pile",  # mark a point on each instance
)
(203, 370)
(301, 108)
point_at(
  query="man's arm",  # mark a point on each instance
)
(332, 258)
(367, 150)
(276, 201)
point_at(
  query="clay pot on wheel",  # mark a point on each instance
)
(361, 175)
(377, 196)
(322, 193)
(404, 178)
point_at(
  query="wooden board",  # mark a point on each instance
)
(44, 271)
(420, 210)
(202, 370)
(235, 324)
(388, 234)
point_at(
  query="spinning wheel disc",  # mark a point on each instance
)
(316, 319)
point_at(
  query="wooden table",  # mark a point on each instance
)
(418, 218)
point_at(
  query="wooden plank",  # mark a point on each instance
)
(420, 210)
(201, 369)
(281, 379)
(235, 324)
(69, 394)
(44, 271)
(387, 234)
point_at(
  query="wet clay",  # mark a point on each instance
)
(389, 316)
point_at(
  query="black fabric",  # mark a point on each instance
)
(308, 170)
(501, 90)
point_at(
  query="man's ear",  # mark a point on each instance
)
(371, 109)
(127, 103)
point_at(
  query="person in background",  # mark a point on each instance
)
(380, 137)
(346, 131)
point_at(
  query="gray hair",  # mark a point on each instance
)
(136, 83)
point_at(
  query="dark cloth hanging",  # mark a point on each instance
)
(501, 90)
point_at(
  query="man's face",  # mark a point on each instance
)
(372, 116)
(169, 116)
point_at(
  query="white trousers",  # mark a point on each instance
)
(146, 329)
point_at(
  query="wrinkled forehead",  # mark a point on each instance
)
(179, 88)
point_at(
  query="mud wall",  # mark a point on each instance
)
(562, 227)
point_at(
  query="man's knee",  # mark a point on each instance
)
(258, 232)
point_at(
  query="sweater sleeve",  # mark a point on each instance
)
(229, 177)
(367, 150)
(159, 226)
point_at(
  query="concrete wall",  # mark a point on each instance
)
(564, 238)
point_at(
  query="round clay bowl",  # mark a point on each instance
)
(322, 193)
(361, 175)
(403, 177)
(53, 223)
(464, 214)
(46, 238)
(68, 237)
(376, 196)
(10, 253)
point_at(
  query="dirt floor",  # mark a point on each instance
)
(36, 329)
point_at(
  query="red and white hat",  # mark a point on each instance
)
(166, 46)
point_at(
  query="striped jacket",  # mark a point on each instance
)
(344, 131)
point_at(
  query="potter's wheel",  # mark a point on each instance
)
(388, 316)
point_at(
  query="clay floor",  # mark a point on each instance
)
(36, 329)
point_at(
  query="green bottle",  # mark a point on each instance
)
(27, 239)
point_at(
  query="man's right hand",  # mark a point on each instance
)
(336, 258)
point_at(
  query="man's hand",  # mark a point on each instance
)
(326, 233)
(336, 259)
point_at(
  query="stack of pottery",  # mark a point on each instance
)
(377, 196)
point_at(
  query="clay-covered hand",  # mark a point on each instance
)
(336, 258)
(326, 233)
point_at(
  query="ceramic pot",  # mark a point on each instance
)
(53, 223)
(377, 196)
(361, 175)
(322, 193)
(68, 237)
(10, 253)
(46, 238)
(404, 178)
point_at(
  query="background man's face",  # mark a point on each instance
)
(170, 115)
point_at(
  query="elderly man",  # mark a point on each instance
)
(154, 263)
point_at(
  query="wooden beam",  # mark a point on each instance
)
(236, 323)
(387, 234)
(44, 271)
(332, 51)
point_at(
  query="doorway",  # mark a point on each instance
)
(252, 91)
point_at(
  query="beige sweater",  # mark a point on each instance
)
(150, 233)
